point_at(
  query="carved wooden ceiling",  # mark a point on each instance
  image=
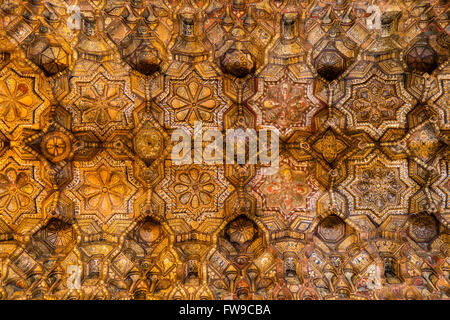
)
(92, 207)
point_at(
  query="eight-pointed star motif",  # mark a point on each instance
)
(378, 187)
(290, 191)
(194, 188)
(16, 191)
(193, 101)
(102, 103)
(105, 191)
(17, 99)
(376, 104)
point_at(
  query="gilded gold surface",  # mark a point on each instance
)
(93, 207)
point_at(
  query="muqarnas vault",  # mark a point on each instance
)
(93, 207)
